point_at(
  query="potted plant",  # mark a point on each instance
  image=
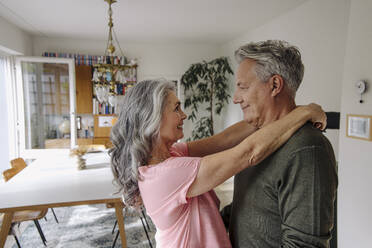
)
(205, 85)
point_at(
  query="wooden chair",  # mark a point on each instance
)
(143, 221)
(11, 230)
(19, 164)
(25, 215)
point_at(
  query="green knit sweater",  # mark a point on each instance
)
(288, 199)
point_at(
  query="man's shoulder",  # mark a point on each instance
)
(307, 137)
(307, 148)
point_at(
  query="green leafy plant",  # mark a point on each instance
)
(205, 85)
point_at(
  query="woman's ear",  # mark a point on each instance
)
(277, 84)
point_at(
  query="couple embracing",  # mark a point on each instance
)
(285, 176)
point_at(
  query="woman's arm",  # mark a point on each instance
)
(224, 140)
(216, 168)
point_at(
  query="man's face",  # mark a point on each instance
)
(253, 95)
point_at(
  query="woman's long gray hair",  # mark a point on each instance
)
(135, 133)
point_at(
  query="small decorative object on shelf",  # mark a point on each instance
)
(112, 76)
(64, 128)
(79, 152)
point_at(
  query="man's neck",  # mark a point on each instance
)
(279, 110)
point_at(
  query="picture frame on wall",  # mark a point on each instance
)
(359, 126)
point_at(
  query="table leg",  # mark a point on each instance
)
(120, 219)
(7, 221)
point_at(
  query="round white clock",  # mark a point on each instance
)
(360, 87)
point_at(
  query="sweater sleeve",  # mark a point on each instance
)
(306, 198)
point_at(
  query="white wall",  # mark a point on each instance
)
(154, 60)
(355, 167)
(318, 28)
(13, 40)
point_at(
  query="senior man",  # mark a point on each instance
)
(288, 199)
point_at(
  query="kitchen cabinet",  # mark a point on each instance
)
(102, 129)
(84, 89)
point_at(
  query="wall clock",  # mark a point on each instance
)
(360, 87)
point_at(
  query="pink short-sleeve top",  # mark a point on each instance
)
(181, 221)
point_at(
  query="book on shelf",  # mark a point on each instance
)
(102, 108)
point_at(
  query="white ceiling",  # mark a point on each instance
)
(147, 21)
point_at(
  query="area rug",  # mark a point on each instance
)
(86, 227)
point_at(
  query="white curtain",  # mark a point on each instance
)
(8, 120)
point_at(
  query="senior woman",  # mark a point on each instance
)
(175, 181)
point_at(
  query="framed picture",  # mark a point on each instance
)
(359, 126)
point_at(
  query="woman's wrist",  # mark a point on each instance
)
(305, 112)
(314, 113)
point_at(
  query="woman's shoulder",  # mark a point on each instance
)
(179, 149)
(179, 159)
(172, 163)
(174, 167)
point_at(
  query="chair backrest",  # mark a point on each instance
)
(18, 164)
(9, 173)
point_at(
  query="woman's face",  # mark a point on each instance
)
(171, 128)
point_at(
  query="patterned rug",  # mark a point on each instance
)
(85, 227)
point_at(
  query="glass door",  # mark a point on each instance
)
(46, 105)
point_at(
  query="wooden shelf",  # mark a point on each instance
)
(103, 141)
(65, 143)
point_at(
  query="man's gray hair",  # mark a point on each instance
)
(274, 57)
(135, 133)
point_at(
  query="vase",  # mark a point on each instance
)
(64, 127)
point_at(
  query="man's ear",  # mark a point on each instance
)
(277, 85)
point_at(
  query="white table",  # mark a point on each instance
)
(55, 181)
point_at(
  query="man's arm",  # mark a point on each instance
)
(306, 198)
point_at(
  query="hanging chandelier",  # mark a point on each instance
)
(112, 75)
